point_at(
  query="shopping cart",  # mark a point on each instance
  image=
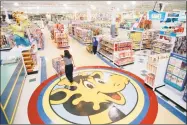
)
(58, 66)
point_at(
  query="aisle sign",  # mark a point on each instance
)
(156, 16)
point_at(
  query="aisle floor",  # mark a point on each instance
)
(82, 58)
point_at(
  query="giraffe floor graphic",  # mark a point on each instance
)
(98, 95)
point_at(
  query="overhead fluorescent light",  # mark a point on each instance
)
(133, 2)
(109, 2)
(16, 4)
(124, 6)
(92, 7)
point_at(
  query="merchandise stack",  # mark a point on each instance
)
(62, 40)
(30, 61)
(6, 42)
(35, 33)
(155, 65)
(148, 37)
(116, 50)
(83, 35)
(163, 44)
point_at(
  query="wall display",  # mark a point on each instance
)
(176, 71)
(118, 51)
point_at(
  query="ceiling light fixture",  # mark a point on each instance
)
(64, 5)
(124, 6)
(109, 2)
(38, 7)
(117, 9)
(133, 2)
(16, 4)
(92, 7)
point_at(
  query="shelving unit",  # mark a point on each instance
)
(163, 44)
(175, 80)
(30, 62)
(117, 51)
(148, 37)
(136, 37)
(155, 66)
(62, 40)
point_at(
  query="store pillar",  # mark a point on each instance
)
(89, 15)
(113, 23)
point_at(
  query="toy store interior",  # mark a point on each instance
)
(64, 62)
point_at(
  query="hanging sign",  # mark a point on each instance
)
(156, 15)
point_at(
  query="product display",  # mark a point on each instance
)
(30, 61)
(62, 40)
(163, 44)
(155, 65)
(120, 52)
(176, 71)
(136, 37)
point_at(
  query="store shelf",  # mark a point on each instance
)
(173, 94)
(105, 56)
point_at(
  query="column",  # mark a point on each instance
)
(113, 23)
(89, 16)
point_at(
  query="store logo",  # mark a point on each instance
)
(98, 96)
(93, 89)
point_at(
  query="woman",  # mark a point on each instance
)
(95, 44)
(68, 59)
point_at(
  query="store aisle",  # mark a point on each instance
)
(78, 51)
(81, 58)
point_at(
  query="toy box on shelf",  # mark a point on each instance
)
(62, 40)
(118, 51)
(155, 66)
(175, 80)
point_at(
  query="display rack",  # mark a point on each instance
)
(136, 37)
(118, 51)
(175, 80)
(35, 33)
(30, 62)
(148, 37)
(6, 42)
(163, 44)
(62, 40)
(83, 35)
(155, 66)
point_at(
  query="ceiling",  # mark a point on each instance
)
(80, 6)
